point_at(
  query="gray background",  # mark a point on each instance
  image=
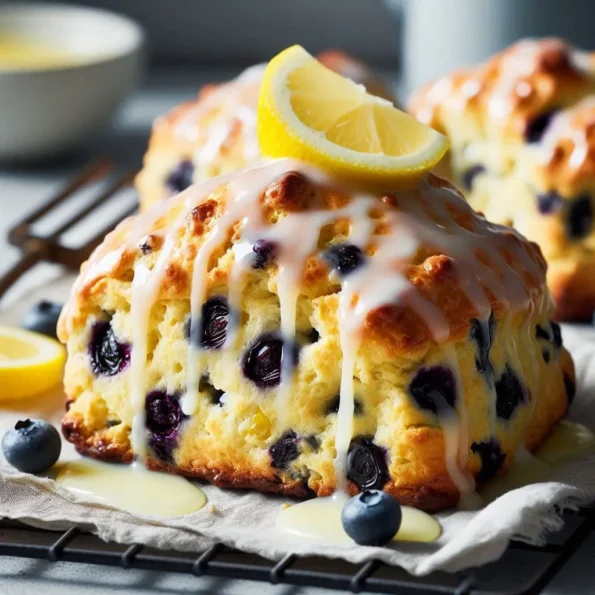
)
(427, 37)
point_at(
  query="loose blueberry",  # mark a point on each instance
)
(549, 202)
(366, 464)
(108, 356)
(264, 253)
(333, 406)
(284, 450)
(434, 389)
(262, 361)
(163, 419)
(557, 335)
(578, 217)
(482, 332)
(32, 446)
(214, 393)
(42, 318)
(470, 174)
(570, 386)
(538, 125)
(181, 176)
(372, 518)
(510, 393)
(344, 258)
(213, 324)
(491, 456)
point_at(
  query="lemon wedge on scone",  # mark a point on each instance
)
(30, 363)
(309, 112)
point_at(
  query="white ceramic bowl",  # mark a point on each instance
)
(45, 112)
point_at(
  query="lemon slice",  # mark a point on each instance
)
(309, 112)
(30, 363)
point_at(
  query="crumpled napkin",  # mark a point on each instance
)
(245, 520)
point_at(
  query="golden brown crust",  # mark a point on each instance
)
(96, 446)
(510, 89)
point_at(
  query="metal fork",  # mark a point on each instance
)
(38, 248)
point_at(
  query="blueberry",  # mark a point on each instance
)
(333, 406)
(510, 393)
(491, 456)
(32, 446)
(163, 419)
(264, 253)
(214, 393)
(164, 413)
(557, 335)
(344, 258)
(213, 324)
(313, 336)
(578, 217)
(470, 174)
(546, 355)
(541, 333)
(312, 442)
(482, 333)
(284, 450)
(537, 126)
(108, 356)
(570, 386)
(181, 176)
(262, 361)
(371, 518)
(366, 464)
(42, 318)
(434, 389)
(549, 202)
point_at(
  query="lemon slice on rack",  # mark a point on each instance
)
(309, 112)
(30, 363)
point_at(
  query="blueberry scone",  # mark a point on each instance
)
(216, 133)
(522, 130)
(282, 331)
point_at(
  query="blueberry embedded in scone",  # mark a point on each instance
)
(523, 149)
(432, 317)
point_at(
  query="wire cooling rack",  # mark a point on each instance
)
(524, 569)
(74, 213)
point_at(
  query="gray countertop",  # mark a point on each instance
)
(21, 190)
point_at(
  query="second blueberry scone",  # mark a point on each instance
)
(523, 150)
(282, 331)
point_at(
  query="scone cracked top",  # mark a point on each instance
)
(521, 129)
(230, 333)
(216, 133)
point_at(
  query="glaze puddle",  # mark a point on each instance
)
(320, 520)
(132, 488)
(568, 441)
